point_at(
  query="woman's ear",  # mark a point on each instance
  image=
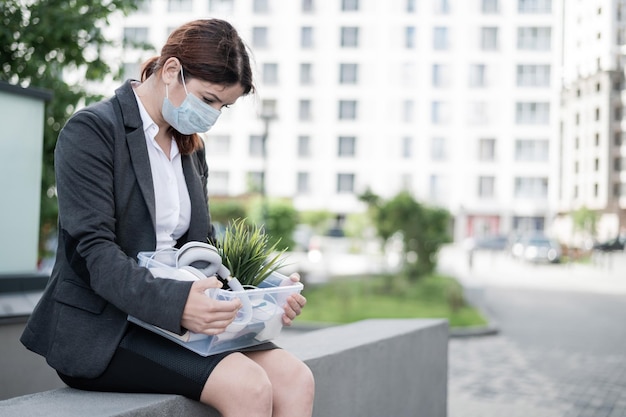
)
(170, 70)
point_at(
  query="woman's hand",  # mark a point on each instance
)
(294, 304)
(203, 314)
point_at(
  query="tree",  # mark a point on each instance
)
(40, 42)
(424, 229)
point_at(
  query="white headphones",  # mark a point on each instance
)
(202, 257)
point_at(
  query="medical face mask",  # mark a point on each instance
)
(192, 116)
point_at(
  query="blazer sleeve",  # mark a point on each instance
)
(86, 155)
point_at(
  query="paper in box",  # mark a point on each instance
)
(267, 302)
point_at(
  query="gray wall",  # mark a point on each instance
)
(372, 368)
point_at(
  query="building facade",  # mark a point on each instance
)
(593, 157)
(456, 101)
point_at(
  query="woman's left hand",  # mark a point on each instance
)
(294, 304)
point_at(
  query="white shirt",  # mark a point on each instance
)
(172, 203)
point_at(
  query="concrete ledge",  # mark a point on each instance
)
(371, 368)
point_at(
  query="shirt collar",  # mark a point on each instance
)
(150, 128)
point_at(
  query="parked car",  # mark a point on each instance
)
(612, 245)
(494, 243)
(537, 248)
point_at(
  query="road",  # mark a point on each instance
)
(561, 348)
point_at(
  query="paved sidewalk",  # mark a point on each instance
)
(491, 376)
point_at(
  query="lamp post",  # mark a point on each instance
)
(267, 115)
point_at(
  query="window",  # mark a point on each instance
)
(489, 6)
(486, 149)
(345, 183)
(131, 70)
(303, 187)
(477, 75)
(409, 37)
(408, 111)
(438, 149)
(218, 145)
(304, 110)
(531, 187)
(534, 6)
(411, 6)
(533, 75)
(306, 37)
(437, 187)
(346, 146)
(307, 6)
(133, 36)
(478, 113)
(489, 38)
(407, 147)
(348, 73)
(349, 5)
(486, 186)
(256, 146)
(349, 37)
(534, 38)
(270, 74)
(221, 6)
(532, 150)
(440, 38)
(304, 146)
(143, 6)
(256, 181)
(260, 6)
(441, 75)
(219, 183)
(306, 73)
(260, 37)
(347, 109)
(406, 181)
(268, 106)
(597, 114)
(442, 6)
(179, 5)
(532, 113)
(440, 112)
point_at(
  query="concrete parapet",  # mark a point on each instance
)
(370, 368)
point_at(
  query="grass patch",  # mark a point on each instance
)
(350, 299)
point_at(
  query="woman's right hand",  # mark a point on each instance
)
(203, 314)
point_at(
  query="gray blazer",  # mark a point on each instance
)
(107, 216)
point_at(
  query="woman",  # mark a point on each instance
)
(131, 176)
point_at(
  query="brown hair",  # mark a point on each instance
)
(210, 50)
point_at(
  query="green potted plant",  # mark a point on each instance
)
(246, 251)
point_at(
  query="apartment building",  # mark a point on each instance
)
(456, 101)
(593, 157)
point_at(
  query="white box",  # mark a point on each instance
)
(267, 302)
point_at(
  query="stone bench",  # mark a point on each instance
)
(371, 368)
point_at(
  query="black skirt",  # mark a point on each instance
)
(145, 362)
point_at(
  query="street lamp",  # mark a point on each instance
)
(268, 114)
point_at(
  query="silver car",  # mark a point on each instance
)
(538, 249)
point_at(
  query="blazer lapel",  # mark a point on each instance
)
(136, 142)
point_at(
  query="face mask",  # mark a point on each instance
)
(192, 116)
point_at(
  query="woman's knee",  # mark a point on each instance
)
(239, 386)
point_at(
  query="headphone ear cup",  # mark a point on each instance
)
(188, 273)
(201, 256)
